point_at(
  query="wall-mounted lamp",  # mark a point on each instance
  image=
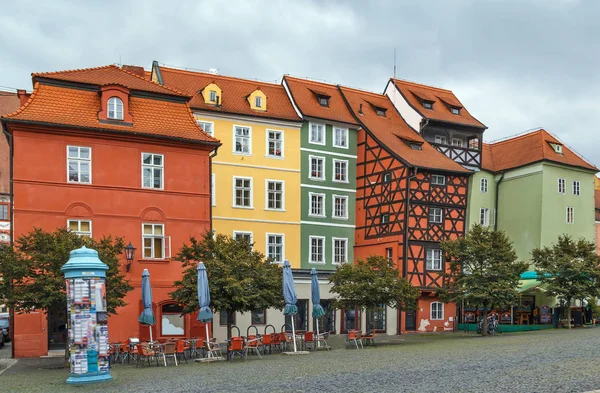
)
(129, 255)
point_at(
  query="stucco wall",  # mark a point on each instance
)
(478, 199)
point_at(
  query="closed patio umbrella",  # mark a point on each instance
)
(289, 295)
(318, 311)
(147, 316)
(204, 315)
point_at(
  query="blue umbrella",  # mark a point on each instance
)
(289, 295)
(316, 298)
(205, 315)
(147, 316)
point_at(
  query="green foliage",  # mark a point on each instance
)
(240, 279)
(483, 269)
(31, 276)
(371, 283)
(594, 307)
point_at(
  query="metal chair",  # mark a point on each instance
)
(252, 345)
(180, 350)
(236, 347)
(168, 350)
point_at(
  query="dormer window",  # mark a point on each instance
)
(213, 96)
(115, 108)
(380, 112)
(416, 146)
(455, 110)
(323, 101)
(258, 102)
(428, 104)
(558, 149)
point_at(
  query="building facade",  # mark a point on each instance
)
(597, 212)
(104, 152)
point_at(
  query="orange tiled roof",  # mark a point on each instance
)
(527, 149)
(9, 102)
(66, 106)
(414, 92)
(234, 93)
(304, 95)
(391, 129)
(106, 75)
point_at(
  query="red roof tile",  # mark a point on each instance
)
(527, 149)
(235, 92)
(9, 102)
(442, 98)
(74, 107)
(392, 129)
(107, 75)
(304, 93)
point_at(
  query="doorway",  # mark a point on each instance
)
(410, 320)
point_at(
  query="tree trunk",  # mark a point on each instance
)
(484, 324)
(569, 312)
(229, 325)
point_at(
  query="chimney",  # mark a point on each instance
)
(137, 70)
(23, 96)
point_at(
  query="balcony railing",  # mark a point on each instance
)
(461, 155)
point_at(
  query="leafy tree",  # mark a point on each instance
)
(569, 269)
(483, 270)
(372, 283)
(240, 279)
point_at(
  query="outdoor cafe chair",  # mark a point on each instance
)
(252, 345)
(322, 338)
(180, 349)
(353, 336)
(168, 350)
(309, 340)
(236, 347)
(213, 348)
(369, 339)
(268, 341)
(145, 353)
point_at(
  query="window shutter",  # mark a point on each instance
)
(167, 247)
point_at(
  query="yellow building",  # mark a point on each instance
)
(256, 173)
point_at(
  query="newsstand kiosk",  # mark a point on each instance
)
(85, 276)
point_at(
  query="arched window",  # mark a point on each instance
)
(484, 185)
(437, 311)
(172, 320)
(115, 108)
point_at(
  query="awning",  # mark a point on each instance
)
(530, 286)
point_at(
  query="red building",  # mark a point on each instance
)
(409, 198)
(104, 151)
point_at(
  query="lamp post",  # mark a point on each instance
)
(129, 255)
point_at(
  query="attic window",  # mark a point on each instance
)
(213, 96)
(323, 101)
(258, 102)
(416, 146)
(115, 108)
(380, 111)
(455, 110)
(428, 104)
(557, 148)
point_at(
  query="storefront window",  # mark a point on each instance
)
(327, 321)
(223, 318)
(301, 320)
(350, 319)
(376, 319)
(259, 317)
(172, 321)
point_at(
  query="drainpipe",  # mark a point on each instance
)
(212, 155)
(9, 139)
(496, 202)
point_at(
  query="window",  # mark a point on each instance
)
(317, 249)
(484, 216)
(437, 311)
(340, 170)
(340, 137)
(274, 143)
(79, 164)
(351, 317)
(82, 228)
(153, 240)
(561, 186)
(207, 126)
(389, 254)
(274, 195)
(172, 320)
(455, 110)
(323, 101)
(570, 215)
(258, 102)
(387, 177)
(317, 204)
(438, 180)
(327, 321)
(340, 250)
(300, 319)
(428, 104)
(457, 142)
(213, 189)
(433, 260)
(474, 143)
(243, 139)
(441, 139)
(259, 317)
(416, 146)
(213, 96)
(317, 167)
(376, 319)
(385, 218)
(317, 134)
(4, 212)
(223, 318)
(115, 108)
(242, 192)
(380, 112)
(576, 188)
(152, 170)
(243, 235)
(483, 185)
(275, 247)
(435, 215)
(340, 206)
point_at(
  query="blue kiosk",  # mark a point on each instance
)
(85, 276)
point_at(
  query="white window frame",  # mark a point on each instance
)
(454, 110)
(429, 215)
(389, 254)
(258, 101)
(310, 239)
(576, 188)
(324, 134)
(282, 245)
(433, 262)
(437, 180)
(438, 312)
(310, 173)
(345, 162)
(384, 215)
(322, 196)
(153, 167)
(114, 101)
(441, 139)
(570, 215)
(459, 140)
(166, 242)
(562, 188)
(385, 177)
(213, 189)
(346, 134)
(235, 233)
(267, 144)
(267, 181)
(79, 160)
(483, 185)
(333, 209)
(212, 126)
(333, 240)
(212, 95)
(79, 232)
(484, 216)
(234, 150)
(233, 204)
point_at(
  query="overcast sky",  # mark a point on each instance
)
(515, 65)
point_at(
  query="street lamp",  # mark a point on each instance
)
(129, 255)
